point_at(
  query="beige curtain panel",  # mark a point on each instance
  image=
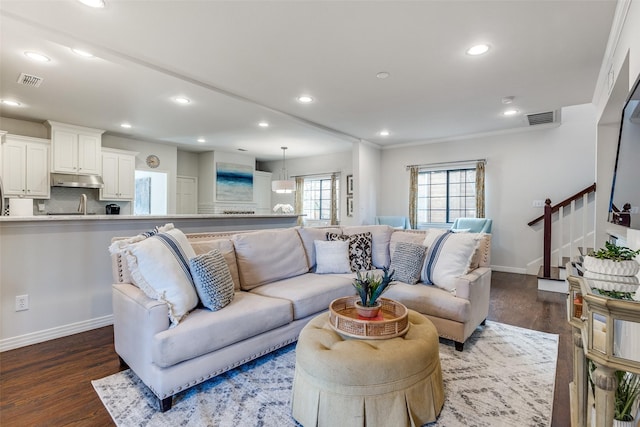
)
(334, 200)
(480, 166)
(413, 197)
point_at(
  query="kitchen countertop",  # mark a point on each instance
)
(91, 217)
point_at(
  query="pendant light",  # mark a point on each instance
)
(284, 185)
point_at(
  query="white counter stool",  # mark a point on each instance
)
(348, 382)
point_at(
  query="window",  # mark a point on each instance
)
(316, 199)
(444, 195)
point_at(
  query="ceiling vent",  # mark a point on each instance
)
(29, 80)
(542, 118)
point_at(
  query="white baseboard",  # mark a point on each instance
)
(53, 333)
(505, 269)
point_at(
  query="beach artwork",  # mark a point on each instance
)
(234, 182)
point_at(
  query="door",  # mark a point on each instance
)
(37, 170)
(14, 168)
(187, 195)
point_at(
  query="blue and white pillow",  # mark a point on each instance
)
(158, 262)
(448, 258)
(212, 279)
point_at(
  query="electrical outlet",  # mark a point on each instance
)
(538, 203)
(22, 302)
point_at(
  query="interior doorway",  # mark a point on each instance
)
(187, 195)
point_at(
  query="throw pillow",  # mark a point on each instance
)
(159, 264)
(359, 249)
(332, 256)
(448, 258)
(212, 279)
(407, 262)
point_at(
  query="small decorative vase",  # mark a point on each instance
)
(368, 312)
(618, 423)
(610, 267)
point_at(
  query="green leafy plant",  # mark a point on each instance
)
(627, 296)
(626, 394)
(615, 253)
(371, 286)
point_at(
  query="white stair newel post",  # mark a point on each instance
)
(585, 200)
(571, 228)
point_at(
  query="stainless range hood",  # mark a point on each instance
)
(80, 181)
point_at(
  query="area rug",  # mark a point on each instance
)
(504, 377)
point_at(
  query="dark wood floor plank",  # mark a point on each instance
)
(49, 384)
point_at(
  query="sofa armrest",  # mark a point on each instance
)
(474, 285)
(136, 320)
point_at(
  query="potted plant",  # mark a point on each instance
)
(626, 396)
(369, 288)
(612, 260)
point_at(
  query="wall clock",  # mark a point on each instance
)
(153, 161)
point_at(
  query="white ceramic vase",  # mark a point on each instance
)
(610, 267)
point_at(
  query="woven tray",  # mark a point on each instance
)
(344, 319)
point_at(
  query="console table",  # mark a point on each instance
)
(605, 331)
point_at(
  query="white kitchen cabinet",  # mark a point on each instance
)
(75, 149)
(25, 167)
(262, 192)
(118, 174)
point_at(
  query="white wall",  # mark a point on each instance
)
(521, 167)
(368, 176)
(187, 163)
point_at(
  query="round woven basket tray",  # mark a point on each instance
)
(345, 320)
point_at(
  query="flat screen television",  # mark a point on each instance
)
(625, 190)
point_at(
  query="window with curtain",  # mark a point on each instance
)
(319, 198)
(444, 195)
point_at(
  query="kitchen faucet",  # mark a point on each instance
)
(82, 207)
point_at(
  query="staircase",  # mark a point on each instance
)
(567, 231)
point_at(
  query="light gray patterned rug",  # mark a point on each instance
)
(504, 377)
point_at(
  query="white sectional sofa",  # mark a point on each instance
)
(276, 292)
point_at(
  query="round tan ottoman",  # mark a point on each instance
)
(348, 382)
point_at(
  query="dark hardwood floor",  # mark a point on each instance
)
(49, 384)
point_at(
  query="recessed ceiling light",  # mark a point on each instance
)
(125, 125)
(382, 75)
(383, 132)
(511, 112)
(202, 140)
(37, 56)
(182, 100)
(82, 53)
(10, 103)
(305, 99)
(478, 49)
(263, 124)
(98, 4)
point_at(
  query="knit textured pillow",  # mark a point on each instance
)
(359, 249)
(212, 279)
(407, 262)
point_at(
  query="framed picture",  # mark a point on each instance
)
(349, 185)
(349, 206)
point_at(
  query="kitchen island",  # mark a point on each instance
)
(62, 263)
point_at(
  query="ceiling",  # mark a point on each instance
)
(242, 62)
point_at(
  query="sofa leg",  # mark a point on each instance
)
(459, 346)
(123, 364)
(484, 322)
(165, 404)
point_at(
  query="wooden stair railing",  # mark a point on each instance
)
(548, 211)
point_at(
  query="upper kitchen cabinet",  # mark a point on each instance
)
(118, 174)
(75, 149)
(25, 167)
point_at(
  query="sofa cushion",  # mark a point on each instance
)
(225, 246)
(269, 255)
(212, 279)
(310, 293)
(311, 234)
(431, 300)
(158, 262)
(332, 256)
(407, 261)
(359, 249)
(449, 257)
(204, 331)
(380, 238)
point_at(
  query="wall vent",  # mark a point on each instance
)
(541, 118)
(29, 80)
